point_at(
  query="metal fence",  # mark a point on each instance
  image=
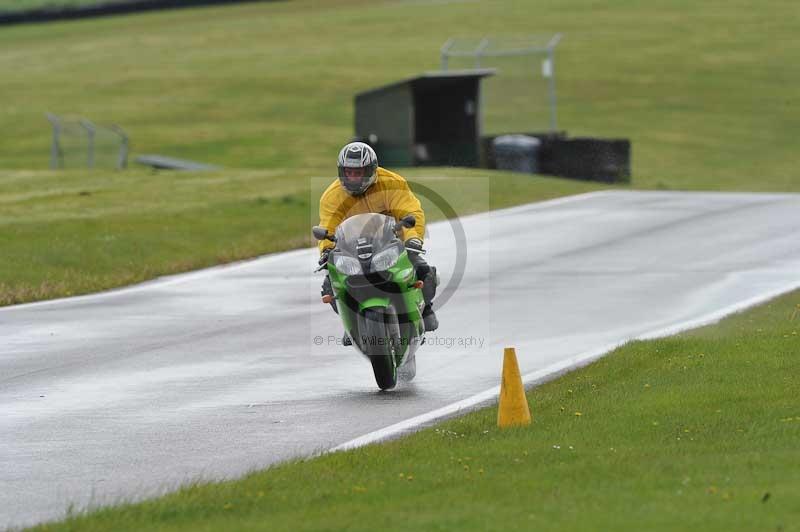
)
(79, 143)
(521, 97)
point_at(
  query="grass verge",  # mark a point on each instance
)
(70, 233)
(697, 431)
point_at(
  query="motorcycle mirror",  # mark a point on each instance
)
(408, 221)
(320, 233)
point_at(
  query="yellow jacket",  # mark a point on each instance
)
(389, 195)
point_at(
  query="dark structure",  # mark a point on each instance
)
(431, 119)
(103, 8)
(590, 159)
(593, 159)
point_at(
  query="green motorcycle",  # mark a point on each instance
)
(376, 293)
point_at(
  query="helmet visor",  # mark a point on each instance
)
(354, 176)
(356, 179)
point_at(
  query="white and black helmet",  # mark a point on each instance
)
(358, 167)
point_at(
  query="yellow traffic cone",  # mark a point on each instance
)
(513, 408)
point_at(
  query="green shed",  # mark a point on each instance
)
(431, 119)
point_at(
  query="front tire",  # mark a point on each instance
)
(380, 341)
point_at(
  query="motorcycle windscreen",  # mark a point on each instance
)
(372, 228)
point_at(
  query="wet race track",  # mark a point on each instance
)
(210, 374)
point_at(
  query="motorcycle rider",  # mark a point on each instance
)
(364, 187)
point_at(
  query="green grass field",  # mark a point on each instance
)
(693, 432)
(701, 89)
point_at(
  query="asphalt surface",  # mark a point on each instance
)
(208, 375)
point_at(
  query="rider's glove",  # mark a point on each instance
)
(323, 257)
(414, 245)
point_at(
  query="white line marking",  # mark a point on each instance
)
(537, 377)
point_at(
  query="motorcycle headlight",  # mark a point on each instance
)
(385, 259)
(346, 265)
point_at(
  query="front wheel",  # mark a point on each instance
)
(380, 340)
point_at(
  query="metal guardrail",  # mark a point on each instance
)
(505, 46)
(89, 130)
